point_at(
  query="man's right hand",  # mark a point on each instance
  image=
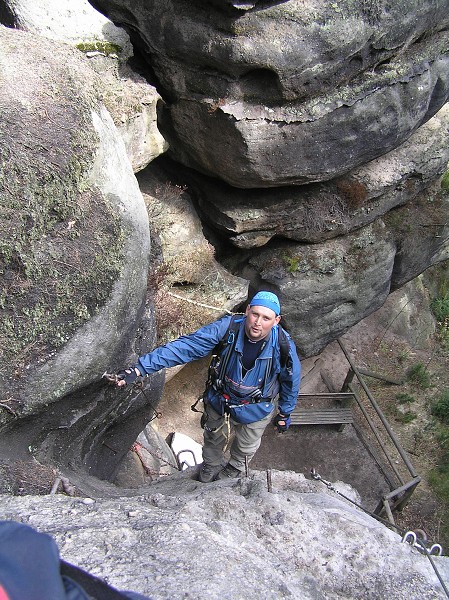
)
(124, 377)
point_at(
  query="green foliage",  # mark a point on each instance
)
(440, 309)
(439, 477)
(406, 417)
(403, 356)
(439, 481)
(292, 263)
(445, 181)
(403, 416)
(440, 407)
(418, 374)
(99, 46)
(404, 398)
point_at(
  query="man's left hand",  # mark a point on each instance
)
(282, 422)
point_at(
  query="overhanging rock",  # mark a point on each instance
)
(289, 93)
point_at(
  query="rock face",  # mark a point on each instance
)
(74, 253)
(74, 21)
(335, 122)
(326, 288)
(318, 135)
(297, 541)
(132, 104)
(290, 93)
(196, 289)
(334, 116)
(128, 97)
(317, 212)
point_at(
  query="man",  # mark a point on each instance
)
(257, 369)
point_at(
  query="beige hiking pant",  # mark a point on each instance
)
(217, 432)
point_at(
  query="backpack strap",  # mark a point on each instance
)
(284, 350)
(95, 587)
(284, 346)
(219, 363)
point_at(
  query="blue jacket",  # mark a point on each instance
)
(282, 381)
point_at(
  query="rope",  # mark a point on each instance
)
(200, 304)
(138, 385)
(405, 535)
(137, 448)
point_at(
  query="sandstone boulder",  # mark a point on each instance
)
(289, 94)
(326, 288)
(298, 540)
(128, 97)
(72, 21)
(191, 287)
(317, 212)
(272, 53)
(74, 255)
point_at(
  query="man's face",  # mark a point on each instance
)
(259, 322)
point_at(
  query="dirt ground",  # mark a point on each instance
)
(353, 455)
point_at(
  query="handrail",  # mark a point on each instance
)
(380, 414)
(375, 433)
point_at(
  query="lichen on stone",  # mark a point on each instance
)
(60, 241)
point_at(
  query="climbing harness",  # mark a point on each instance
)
(221, 355)
(407, 536)
(223, 351)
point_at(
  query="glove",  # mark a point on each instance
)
(286, 420)
(128, 375)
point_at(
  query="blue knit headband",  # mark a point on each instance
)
(267, 299)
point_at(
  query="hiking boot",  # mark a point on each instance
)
(229, 472)
(207, 473)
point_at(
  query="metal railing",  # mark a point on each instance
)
(400, 494)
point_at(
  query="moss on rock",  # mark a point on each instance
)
(60, 241)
